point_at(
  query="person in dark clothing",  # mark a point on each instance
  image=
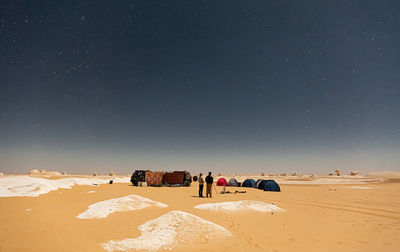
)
(201, 185)
(209, 181)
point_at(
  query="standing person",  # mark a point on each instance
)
(209, 181)
(201, 185)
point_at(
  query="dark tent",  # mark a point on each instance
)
(249, 183)
(260, 185)
(258, 182)
(222, 182)
(233, 182)
(271, 185)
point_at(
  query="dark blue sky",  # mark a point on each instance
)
(225, 85)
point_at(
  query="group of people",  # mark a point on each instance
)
(209, 183)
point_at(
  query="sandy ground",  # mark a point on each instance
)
(342, 217)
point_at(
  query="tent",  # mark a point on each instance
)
(249, 183)
(271, 185)
(222, 182)
(258, 183)
(233, 182)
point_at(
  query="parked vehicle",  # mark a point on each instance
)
(138, 176)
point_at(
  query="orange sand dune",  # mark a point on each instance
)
(315, 218)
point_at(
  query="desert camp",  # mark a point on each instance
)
(199, 126)
(168, 203)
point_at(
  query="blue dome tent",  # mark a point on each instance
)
(260, 184)
(271, 185)
(249, 183)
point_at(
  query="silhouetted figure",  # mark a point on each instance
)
(201, 185)
(209, 181)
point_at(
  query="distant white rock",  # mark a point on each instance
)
(52, 173)
(94, 174)
(44, 173)
(111, 174)
(34, 171)
(168, 231)
(123, 204)
(1, 174)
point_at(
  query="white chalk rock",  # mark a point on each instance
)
(111, 174)
(34, 171)
(123, 204)
(169, 231)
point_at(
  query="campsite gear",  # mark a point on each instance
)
(249, 183)
(222, 182)
(215, 188)
(271, 185)
(154, 178)
(181, 178)
(195, 178)
(138, 176)
(111, 182)
(233, 182)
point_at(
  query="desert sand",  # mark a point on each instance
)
(309, 214)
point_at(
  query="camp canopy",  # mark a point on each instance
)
(222, 182)
(233, 182)
(249, 183)
(271, 185)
